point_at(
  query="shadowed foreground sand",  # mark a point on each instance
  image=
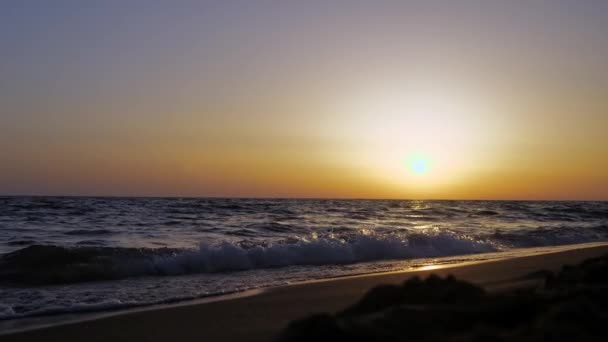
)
(261, 317)
(569, 305)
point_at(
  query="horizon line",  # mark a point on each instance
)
(302, 198)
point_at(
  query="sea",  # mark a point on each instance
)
(66, 255)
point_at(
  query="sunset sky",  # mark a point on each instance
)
(342, 99)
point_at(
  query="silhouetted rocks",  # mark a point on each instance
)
(571, 306)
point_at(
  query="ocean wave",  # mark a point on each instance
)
(89, 232)
(49, 264)
(41, 264)
(550, 236)
(361, 247)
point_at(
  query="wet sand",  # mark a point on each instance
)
(262, 316)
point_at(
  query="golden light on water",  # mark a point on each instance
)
(430, 267)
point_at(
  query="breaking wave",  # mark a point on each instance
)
(52, 264)
(44, 264)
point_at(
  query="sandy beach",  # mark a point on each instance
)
(261, 316)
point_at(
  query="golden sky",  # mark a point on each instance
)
(446, 100)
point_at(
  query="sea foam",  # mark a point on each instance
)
(363, 246)
(54, 264)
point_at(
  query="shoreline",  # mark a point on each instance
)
(261, 313)
(35, 322)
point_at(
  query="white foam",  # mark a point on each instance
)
(314, 250)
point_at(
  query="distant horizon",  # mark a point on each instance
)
(305, 198)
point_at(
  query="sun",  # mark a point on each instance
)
(419, 165)
(417, 134)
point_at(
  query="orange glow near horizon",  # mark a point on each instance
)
(382, 100)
